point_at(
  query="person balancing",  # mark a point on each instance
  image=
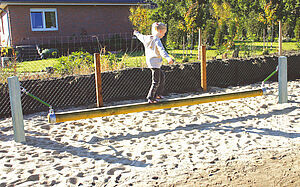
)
(155, 50)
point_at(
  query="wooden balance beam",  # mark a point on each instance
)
(140, 107)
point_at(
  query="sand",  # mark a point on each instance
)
(247, 142)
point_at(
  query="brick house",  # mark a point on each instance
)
(23, 20)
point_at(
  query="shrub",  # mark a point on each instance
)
(49, 53)
(6, 51)
(76, 62)
(111, 61)
(266, 52)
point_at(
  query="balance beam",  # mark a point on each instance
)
(140, 107)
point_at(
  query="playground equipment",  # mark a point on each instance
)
(17, 115)
(140, 107)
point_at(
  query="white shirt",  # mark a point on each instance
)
(154, 50)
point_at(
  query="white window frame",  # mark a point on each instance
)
(43, 10)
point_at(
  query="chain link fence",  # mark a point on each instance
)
(68, 79)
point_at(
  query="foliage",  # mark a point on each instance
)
(74, 63)
(49, 53)
(220, 35)
(297, 30)
(174, 40)
(209, 33)
(221, 12)
(188, 24)
(140, 19)
(297, 33)
(268, 15)
(253, 26)
(111, 62)
(6, 51)
(266, 52)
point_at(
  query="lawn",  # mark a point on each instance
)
(32, 66)
(138, 60)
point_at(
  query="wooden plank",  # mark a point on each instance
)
(140, 107)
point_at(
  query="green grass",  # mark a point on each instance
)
(138, 60)
(33, 66)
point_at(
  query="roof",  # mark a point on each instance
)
(22, 2)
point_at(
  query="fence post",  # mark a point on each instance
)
(16, 109)
(199, 45)
(280, 40)
(203, 68)
(282, 80)
(98, 81)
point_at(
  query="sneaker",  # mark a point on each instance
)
(160, 97)
(152, 101)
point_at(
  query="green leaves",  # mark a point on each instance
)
(140, 19)
(74, 63)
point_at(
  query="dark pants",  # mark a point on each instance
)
(158, 83)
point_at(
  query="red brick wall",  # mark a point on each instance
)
(72, 20)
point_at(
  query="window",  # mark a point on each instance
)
(43, 19)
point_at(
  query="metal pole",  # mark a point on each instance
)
(282, 80)
(140, 107)
(16, 109)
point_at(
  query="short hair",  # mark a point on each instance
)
(156, 26)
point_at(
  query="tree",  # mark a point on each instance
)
(267, 16)
(209, 32)
(140, 19)
(297, 30)
(222, 13)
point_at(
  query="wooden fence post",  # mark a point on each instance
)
(199, 45)
(203, 68)
(16, 109)
(280, 40)
(98, 81)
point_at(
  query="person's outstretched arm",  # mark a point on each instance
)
(140, 36)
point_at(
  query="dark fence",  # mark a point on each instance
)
(64, 45)
(134, 83)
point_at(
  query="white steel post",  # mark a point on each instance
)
(282, 80)
(16, 109)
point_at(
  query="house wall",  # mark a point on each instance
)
(72, 21)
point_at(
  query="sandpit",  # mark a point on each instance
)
(161, 147)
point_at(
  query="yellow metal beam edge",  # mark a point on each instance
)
(141, 107)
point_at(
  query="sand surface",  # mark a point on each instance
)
(243, 142)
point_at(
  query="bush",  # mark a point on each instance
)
(77, 62)
(49, 53)
(6, 51)
(266, 52)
